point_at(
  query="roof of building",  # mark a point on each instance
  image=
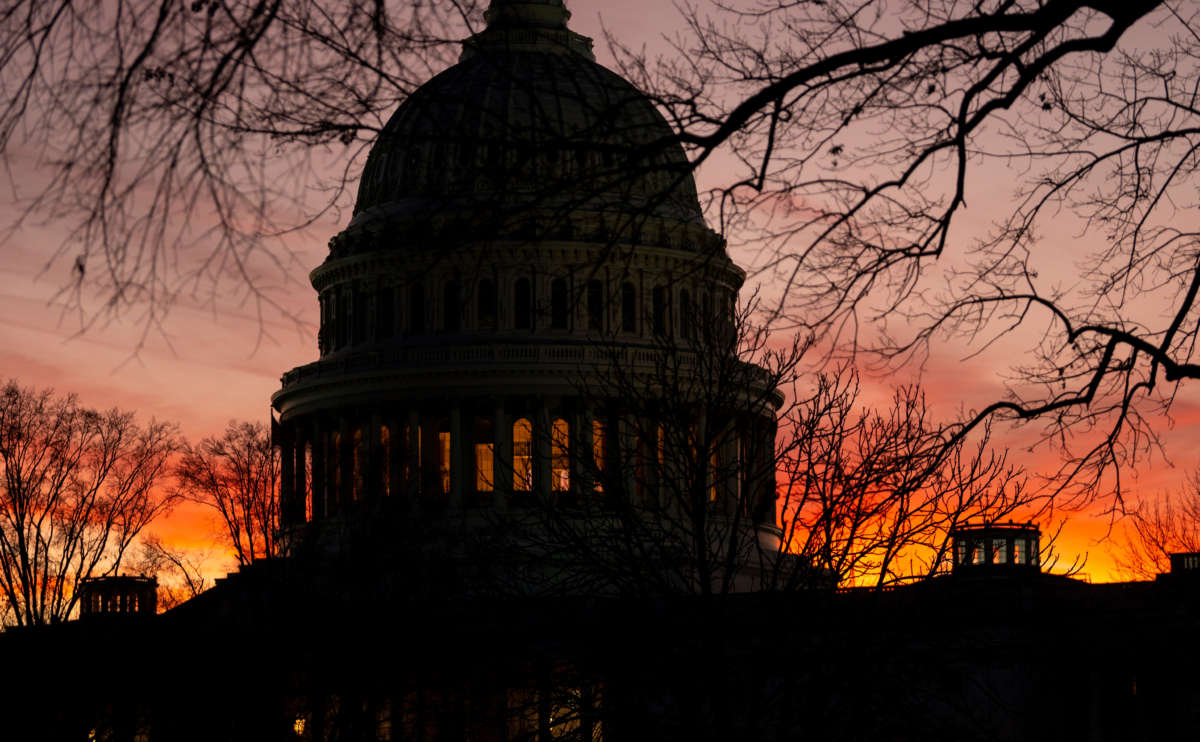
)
(528, 119)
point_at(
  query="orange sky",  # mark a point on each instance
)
(210, 364)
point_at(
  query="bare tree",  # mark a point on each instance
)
(180, 576)
(871, 495)
(237, 475)
(78, 487)
(1166, 523)
(180, 138)
(863, 129)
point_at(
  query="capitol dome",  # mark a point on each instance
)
(526, 311)
(527, 127)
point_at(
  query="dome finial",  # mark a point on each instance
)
(528, 25)
(551, 14)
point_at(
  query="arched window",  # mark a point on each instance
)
(486, 301)
(451, 307)
(558, 304)
(595, 304)
(522, 438)
(522, 305)
(628, 308)
(357, 454)
(308, 481)
(685, 315)
(416, 309)
(659, 298)
(560, 456)
(714, 473)
(323, 333)
(444, 443)
(385, 460)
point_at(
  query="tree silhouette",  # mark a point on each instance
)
(1158, 526)
(237, 475)
(78, 487)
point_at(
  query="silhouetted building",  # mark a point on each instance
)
(120, 595)
(527, 491)
(983, 547)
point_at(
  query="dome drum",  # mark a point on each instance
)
(549, 293)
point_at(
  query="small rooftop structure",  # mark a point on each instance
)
(1185, 566)
(1186, 561)
(120, 595)
(993, 546)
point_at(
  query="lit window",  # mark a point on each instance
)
(599, 451)
(522, 436)
(385, 449)
(483, 467)
(357, 483)
(308, 481)
(714, 465)
(999, 551)
(560, 456)
(444, 460)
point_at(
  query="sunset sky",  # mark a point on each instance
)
(211, 362)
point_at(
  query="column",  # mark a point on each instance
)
(396, 457)
(701, 455)
(345, 453)
(318, 468)
(627, 439)
(413, 480)
(287, 475)
(582, 462)
(729, 462)
(501, 456)
(541, 450)
(300, 489)
(457, 465)
(373, 473)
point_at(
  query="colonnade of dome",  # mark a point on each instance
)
(502, 453)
